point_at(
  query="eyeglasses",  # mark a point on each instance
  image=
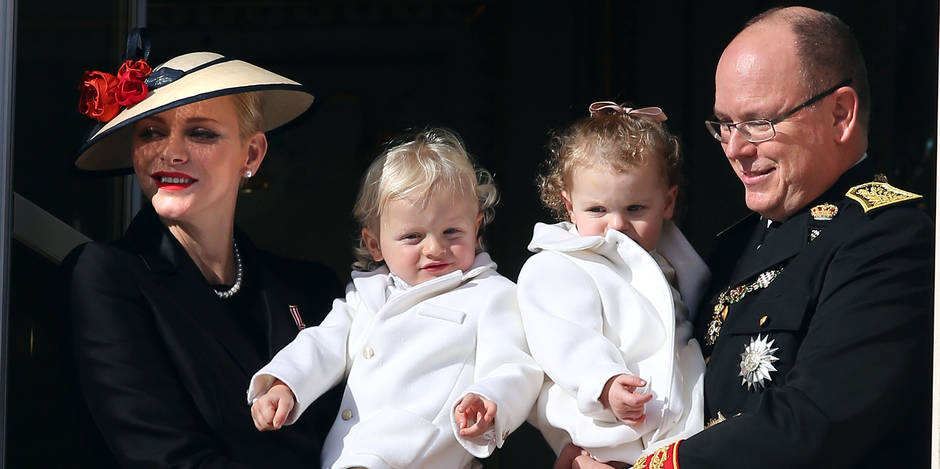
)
(761, 130)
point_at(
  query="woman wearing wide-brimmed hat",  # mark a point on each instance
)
(170, 322)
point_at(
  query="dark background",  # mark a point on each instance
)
(502, 74)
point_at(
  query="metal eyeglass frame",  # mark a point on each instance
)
(714, 127)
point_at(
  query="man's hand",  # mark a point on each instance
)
(622, 398)
(568, 455)
(474, 415)
(270, 411)
(586, 462)
(575, 457)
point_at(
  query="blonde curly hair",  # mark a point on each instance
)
(421, 164)
(615, 139)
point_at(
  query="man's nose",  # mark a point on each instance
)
(738, 146)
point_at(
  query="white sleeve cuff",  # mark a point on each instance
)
(483, 445)
(589, 394)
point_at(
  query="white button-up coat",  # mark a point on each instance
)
(407, 362)
(595, 307)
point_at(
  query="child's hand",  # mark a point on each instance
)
(568, 455)
(622, 398)
(270, 411)
(474, 415)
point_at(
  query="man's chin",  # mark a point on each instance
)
(758, 202)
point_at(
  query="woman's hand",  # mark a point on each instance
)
(270, 411)
(474, 415)
(622, 398)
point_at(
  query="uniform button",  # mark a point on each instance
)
(368, 352)
(505, 434)
(347, 414)
(763, 320)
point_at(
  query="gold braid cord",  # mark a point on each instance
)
(874, 195)
(718, 419)
(663, 458)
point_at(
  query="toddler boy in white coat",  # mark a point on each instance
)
(428, 336)
(606, 298)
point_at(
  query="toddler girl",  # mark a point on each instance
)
(606, 298)
(425, 320)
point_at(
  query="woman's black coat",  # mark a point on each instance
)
(164, 366)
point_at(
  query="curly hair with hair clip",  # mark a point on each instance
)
(613, 138)
(420, 164)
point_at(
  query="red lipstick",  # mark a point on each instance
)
(172, 181)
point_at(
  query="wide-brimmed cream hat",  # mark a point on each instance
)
(186, 79)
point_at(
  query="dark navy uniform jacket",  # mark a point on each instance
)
(850, 317)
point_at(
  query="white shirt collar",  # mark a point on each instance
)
(396, 285)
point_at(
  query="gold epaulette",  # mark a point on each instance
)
(874, 195)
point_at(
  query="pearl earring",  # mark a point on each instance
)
(247, 173)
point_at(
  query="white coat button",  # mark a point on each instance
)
(347, 414)
(368, 352)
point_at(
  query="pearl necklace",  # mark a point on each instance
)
(238, 276)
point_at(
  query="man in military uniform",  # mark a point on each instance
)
(818, 332)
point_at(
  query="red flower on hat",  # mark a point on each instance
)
(97, 96)
(131, 88)
(103, 94)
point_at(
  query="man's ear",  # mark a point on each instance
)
(845, 119)
(372, 244)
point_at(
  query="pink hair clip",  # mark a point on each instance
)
(654, 113)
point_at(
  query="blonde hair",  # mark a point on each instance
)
(422, 165)
(618, 140)
(248, 107)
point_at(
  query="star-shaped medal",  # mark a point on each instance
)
(757, 362)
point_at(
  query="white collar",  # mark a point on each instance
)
(380, 284)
